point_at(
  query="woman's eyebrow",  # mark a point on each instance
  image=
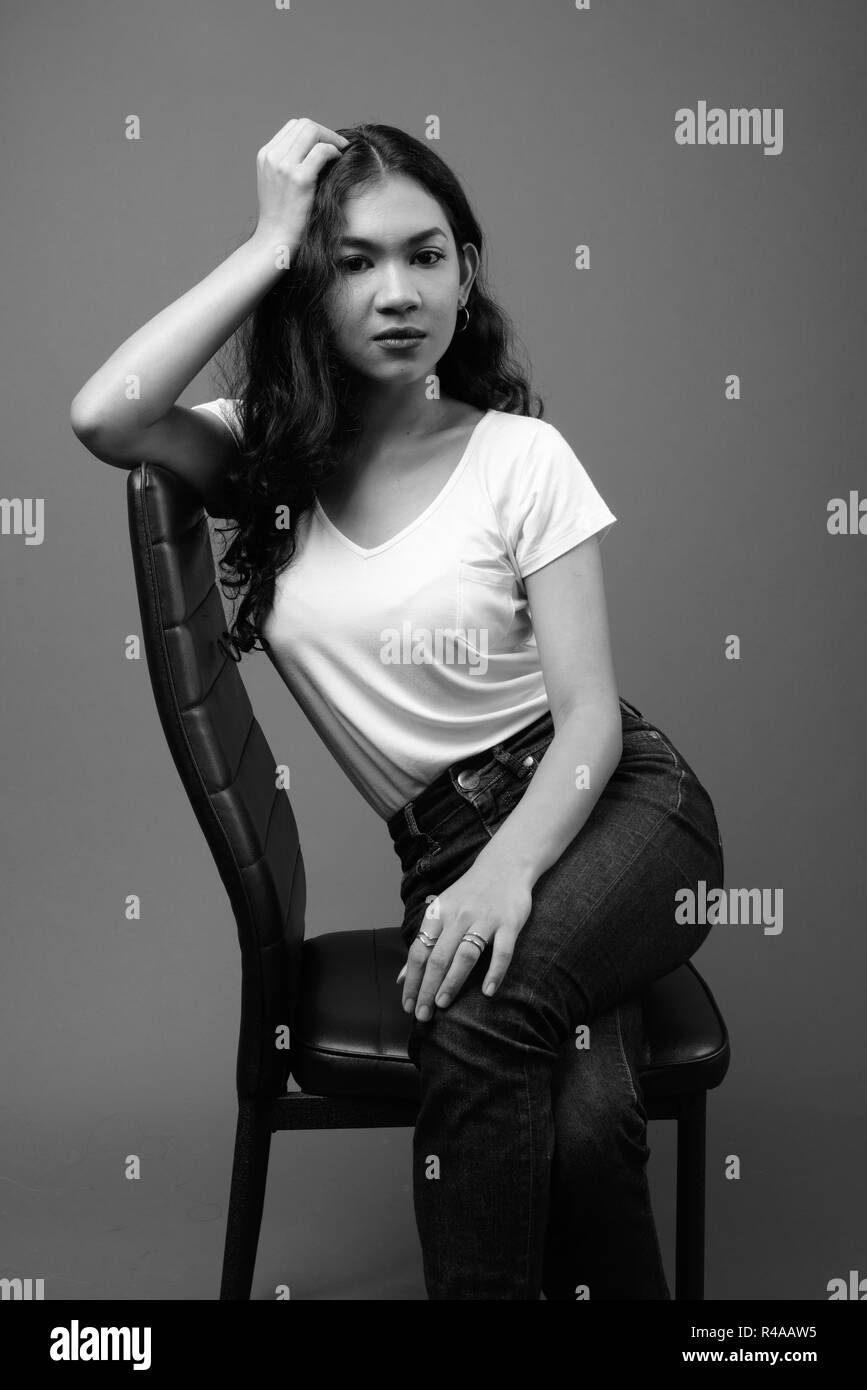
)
(375, 246)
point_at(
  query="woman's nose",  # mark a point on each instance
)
(396, 290)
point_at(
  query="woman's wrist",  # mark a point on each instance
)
(274, 245)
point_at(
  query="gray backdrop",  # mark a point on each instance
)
(119, 1037)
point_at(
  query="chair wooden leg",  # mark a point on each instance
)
(246, 1199)
(689, 1241)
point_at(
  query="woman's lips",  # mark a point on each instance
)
(399, 342)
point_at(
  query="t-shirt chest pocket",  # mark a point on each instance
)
(485, 605)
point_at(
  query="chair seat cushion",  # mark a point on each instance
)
(350, 1035)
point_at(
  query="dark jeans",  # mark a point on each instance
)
(530, 1150)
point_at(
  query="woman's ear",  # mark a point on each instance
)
(471, 266)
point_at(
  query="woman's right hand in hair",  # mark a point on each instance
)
(287, 170)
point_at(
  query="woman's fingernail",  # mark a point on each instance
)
(409, 1005)
(443, 999)
(424, 1013)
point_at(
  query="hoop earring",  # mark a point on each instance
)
(467, 324)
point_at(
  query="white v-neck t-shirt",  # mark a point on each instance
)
(419, 652)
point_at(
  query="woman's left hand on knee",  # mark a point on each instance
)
(490, 904)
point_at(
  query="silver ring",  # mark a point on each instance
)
(426, 938)
(475, 939)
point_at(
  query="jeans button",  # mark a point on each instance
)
(468, 779)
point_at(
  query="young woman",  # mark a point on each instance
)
(419, 554)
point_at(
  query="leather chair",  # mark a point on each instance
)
(347, 1038)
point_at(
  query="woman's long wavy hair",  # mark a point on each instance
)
(296, 403)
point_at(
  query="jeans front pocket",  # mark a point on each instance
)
(422, 851)
(506, 793)
(485, 607)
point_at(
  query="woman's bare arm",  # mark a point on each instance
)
(164, 356)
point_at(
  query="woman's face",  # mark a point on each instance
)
(397, 266)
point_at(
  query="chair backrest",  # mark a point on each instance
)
(226, 766)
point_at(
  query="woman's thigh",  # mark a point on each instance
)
(604, 920)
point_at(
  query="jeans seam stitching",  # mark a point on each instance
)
(624, 1056)
(674, 758)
